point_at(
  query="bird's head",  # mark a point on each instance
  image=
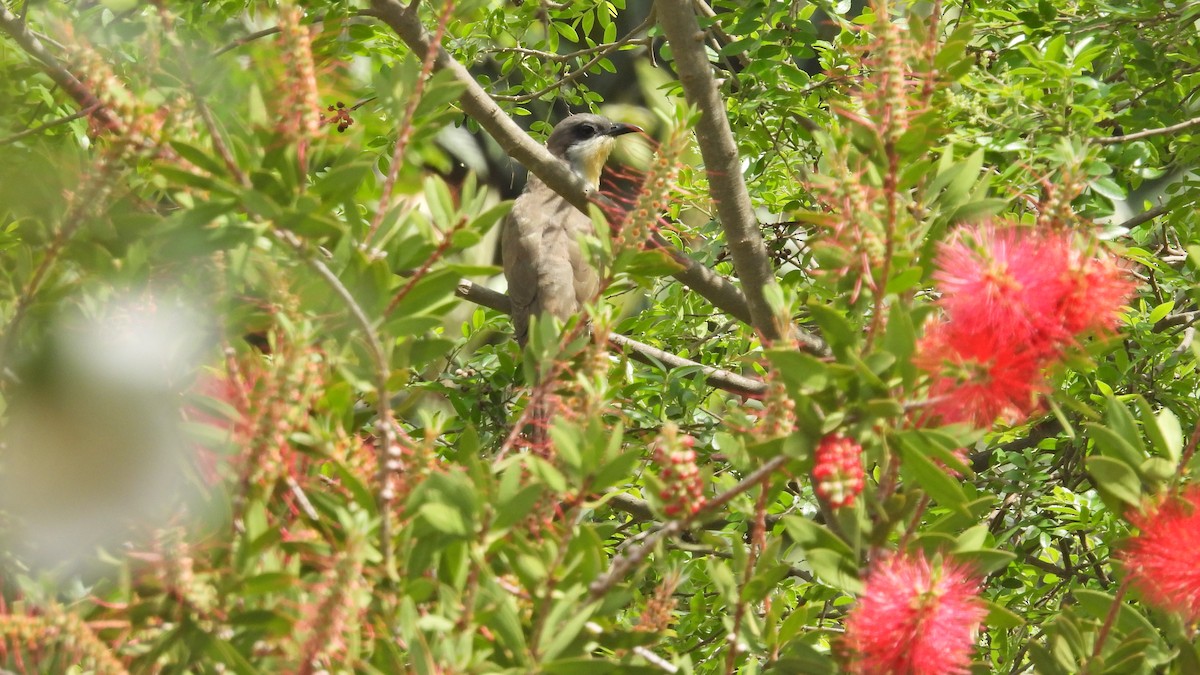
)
(584, 141)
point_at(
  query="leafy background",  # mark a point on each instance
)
(351, 429)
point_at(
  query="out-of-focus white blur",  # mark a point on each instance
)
(93, 447)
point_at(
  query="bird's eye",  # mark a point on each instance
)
(587, 130)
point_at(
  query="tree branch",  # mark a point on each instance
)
(1144, 216)
(19, 32)
(50, 125)
(625, 562)
(476, 103)
(1147, 133)
(721, 161)
(638, 351)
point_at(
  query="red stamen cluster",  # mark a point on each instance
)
(1161, 559)
(1015, 300)
(838, 470)
(914, 618)
(683, 486)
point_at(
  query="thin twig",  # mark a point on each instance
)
(406, 122)
(50, 125)
(583, 70)
(560, 58)
(246, 39)
(1144, 216)
(1147, 133)
(1113, 609)
(388, 454)
(627, 561)
(639, 351)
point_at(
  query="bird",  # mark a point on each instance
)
(544, 265)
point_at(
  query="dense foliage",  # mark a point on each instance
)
(262, 413)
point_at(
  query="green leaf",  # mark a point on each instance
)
(1172, 434)
(1108, 188)
(986, 560)
(612, 472)
(273, 622)
(430, 292)
(200, 158)
(267, 583)
(511, 510)
(1115, 480)
(904, 280)
(803, 372)
(1161, 311)
(486, 220)
(1114, 446)
(834, 327)
(919, 469)
(441, 90)
(444, 518)
(1153, 430)
(342, 182)
(566, 618)
(809, 535)
(978, 209)
(834, 569)
(551, 476)
(1097, 605)
(1000, 617)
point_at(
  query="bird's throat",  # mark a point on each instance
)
(587, 159)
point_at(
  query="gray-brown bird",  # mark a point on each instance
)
(545, 267)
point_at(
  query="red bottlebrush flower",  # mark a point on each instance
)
(838, 470)
(1036, 286)
(682, 493)
(1096, 289)
(1014, 300)
(979, 376)
(1005, 281)
(915, 618)
(1161, 559)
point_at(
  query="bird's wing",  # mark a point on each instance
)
(586, 280)
(543, 261)
(557, 252)
(520, 237)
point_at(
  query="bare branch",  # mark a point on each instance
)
(721, 161)
(722, 379)
(50, 125)
(1147, 133)
(1144, 216)
(638, 351)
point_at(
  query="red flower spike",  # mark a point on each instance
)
(914, 618)
(838, 470)
(1014, 299)
(979, 376)
(1161, 560)
(683, 486)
